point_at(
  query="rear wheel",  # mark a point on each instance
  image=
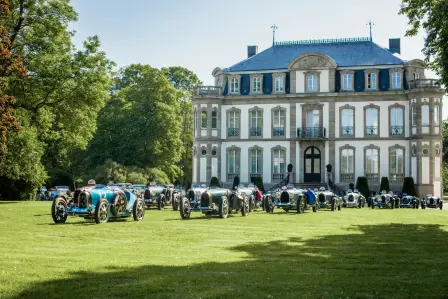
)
(268, 204)
(340, 206)
(138, 210)
(301, 205)
(333, 204)
(58, 210)
(120, 203)
(316, 208)
(161, 202)
(184, 208)
(441, 205)
(175, 202)
(246, 207)
(223, 207)
(359, 203)
(102, 211)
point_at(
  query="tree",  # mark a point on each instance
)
(363, 186)
(214, 182)
(384, 184)
(431, 15)
(259, 183)
(409, 186)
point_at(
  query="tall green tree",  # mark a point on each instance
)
(187, 81)
(431, 15)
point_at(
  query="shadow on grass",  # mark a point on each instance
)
(8, 202)
(377, 261)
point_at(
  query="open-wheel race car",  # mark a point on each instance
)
(432, 201)
(409, 201)
(157, 195)
(56, 191)
(386, 200)
(289, 198)
(327, 199)
(138, 190)
(99, 203)
(249, 191)
(353, 199)
(43, 194)
(216, 201)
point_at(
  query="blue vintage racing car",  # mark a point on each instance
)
(100, 203)
(409, 201)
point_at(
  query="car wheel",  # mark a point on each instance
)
(138, 210)
(58, 210)
(251, 204)
(300, 205)
(102, 210)
(316, 208)
(184, 208)
(175, 202)
(340, 206)
(120, 203)
(267, 204)
(333, 204)
(245, 208)
(161, 203)
(441, 204)
(223, 207)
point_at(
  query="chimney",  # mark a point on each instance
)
(252, 51)
(394, 45)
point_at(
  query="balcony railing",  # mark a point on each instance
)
(311, 133)
(424, 83)
(396, 177)
(278, 132)
(209, 90)
(231, 176)
(372, 177)
(278, 176)
(396, 130)
(371, 130)
(347, 130)
(347, 177)
(255, 132)
(253, 176)
(233, 132)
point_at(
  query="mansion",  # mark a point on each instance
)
(345, 102)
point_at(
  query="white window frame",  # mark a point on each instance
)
(258, 163)
(312, 82)
(215, 118)
(425, 115)
(279, 84)
(234, 86)
(369, 153)
(256, 85)
(436, 114)
(396, 80)
(345, 161)
(394, 156)
(278, 116)
(235, 163)
(258, 116)
(347, 82)
(236, 121)
(413, 116)
(416, 76)
(202, 119)
(371, 81)
(278, 154)
(394, 118)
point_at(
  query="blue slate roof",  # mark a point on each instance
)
(356, 53)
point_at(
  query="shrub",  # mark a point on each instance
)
(384, 184)
(290, 167)
(408, 186)
(214, 182)
(236, 182)
(363, 186)
(259, 183)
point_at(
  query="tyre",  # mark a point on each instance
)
(441, 205)
(267, 204)
(340, 206)
(359, 203)
(251, 204)
(392, 206)
(58, 210)
(175, 202)
(161, 202)
(245, 209)
(372, 204)
(316, 208)
(184, 208)
(102, 210)
(119, 205)
(301, 205)
(333, 204)
(223, 207)
(138, 210)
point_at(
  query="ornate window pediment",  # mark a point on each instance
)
(309, 61)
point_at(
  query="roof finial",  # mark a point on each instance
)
(370, 25)
(274, 27)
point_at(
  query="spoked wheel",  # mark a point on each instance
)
(251, 204)
(268, 204)
(58, 210)
(316, 208)
(300, 205)
(333, 204)
(102, 211)
(340, 206)
(138, 210)
(184, 208)
(120, 203)
(246, 207)
(161, 203)
(175, 202)
(223, 207)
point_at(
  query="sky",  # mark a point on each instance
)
(203, 34)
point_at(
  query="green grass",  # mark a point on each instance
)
(348, 254)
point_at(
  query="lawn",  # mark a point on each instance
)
(349, 254)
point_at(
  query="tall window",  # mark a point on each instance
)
(396, 121)
(233, 123)
(372, 162)
(347, 161)
(416, 76)
(256, 84)
(413, 116)
(425, 115)
(195, 120)
(278, 122)
(234, 86)
(233, 161)
(204, 119)
(371, 81)
(347, 122)
(256, 122)
(347, 82)
(371, 121)
(255, 161)
(312, 118)
(279, 161)
(396, 80)
(396, 161)
(436, 114)
(312, 83)
(279, 84)
(214, 120)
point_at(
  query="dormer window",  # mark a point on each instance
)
(396, 80)
(416, 76)
(312, 83)
(256, 87)
(256, 83)
(234, 85)
(347, 80)
(371, 81)
(279, 82)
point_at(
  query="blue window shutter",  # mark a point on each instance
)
(338, 81)
(245, 85)
(405, 82)
(359, 80)
(267, 83)
(384, 80)
(288, 83)
(226, 89)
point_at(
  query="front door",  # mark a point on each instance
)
(312, 165)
